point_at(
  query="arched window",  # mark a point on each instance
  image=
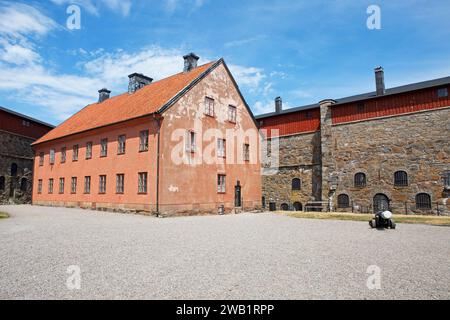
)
(360, 180)
(401, 179)
(296, 184)
(13, 169)
(284, 207)
(343, 201)
(23, 185)
(298, 206)
(423, 201)
(2, 183)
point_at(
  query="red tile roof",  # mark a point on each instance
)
(126, 106)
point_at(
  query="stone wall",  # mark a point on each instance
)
(327, 161)
(416, 143)
(15, 149)
(299, 157)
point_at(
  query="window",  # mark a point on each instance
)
(23, 185)
(343, 201)
(142, 182)
(104, 147)
(190, 141)
(423, 201)
(75, 153)
(61, 185)
(221, 183)
(232, 114)
(50, 186)
(41, 159)
(88, 150)
(102, 184)
(120, 179)
(401, 179)
(209, 107)
(221, 145)
(446, 179)
(25, 123)
(442, 93)
(73, 188)
(360, 180)
(63, 154)
(39, 190)
(143, 141)
(13, 169)
(246, 152)
(121, 144)
(296, 184)
(2, 183)
(52, 156)
(87, 185)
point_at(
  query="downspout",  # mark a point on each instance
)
(158, 119)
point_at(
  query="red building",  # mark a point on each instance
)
(17, 132)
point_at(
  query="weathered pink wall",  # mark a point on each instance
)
(130, 164)
(194, 187)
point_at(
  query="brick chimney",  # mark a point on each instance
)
(278, 105)
(379, 81)
(103, 94)
(138, 81)
(190, 61)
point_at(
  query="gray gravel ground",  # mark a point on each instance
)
(248, 256)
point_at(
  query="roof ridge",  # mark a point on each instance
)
(125, 107)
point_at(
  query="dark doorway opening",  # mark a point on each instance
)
(238, 195)
(298, 206)
(380, 203)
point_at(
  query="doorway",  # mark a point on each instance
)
(238, 195)
(380, 203)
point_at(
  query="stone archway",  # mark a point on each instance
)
(298, 206)
(380, 203)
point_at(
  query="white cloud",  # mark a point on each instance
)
(248, 76)
(92, 6)
(18, 20)
(26, 78)
(19, 54)
(262, 107)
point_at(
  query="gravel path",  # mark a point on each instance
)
(248, 256)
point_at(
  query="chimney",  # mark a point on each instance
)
(278, 105)
(379, 80)
(190, 61)
(138, 81)
(103, 94)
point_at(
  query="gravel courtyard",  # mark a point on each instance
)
(248, 256)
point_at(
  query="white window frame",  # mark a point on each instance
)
(209, 106)
(221, 148)
(221, 183)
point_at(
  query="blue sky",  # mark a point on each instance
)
(304, 51)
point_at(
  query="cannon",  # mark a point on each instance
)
(383, 219)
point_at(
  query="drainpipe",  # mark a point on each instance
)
(158, 119)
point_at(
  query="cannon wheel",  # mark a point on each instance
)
(373, 223)
(392, 224)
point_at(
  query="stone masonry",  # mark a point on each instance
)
(15, 152)
(327, 161)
